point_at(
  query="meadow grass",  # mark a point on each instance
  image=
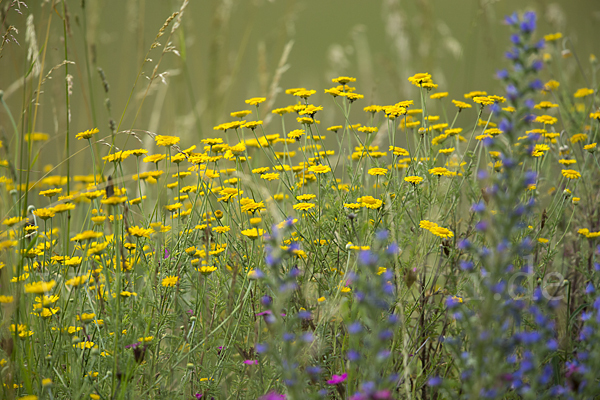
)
(396, 254)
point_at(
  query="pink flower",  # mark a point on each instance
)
(335, 379)
(251, 362)
(273, 396)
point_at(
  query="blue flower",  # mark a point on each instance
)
(466, 265)
(434, 381)
(354, 328)
(529, 22)
(537, 65)
(502, 74)
(382, 235)
(366, 257)
(536, 84)
(511, 19)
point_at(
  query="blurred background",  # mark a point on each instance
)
(226, 51)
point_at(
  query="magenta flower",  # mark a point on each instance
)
(251, 362)
(335, 379)
(273, 396)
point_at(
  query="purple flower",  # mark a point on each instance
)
(273, 396)
(478, 207)
(537, 65)
(511, 19)
(266, 300)
(198, 395)
(434, 381)
(502, 74)
(382, 235)
(166, 253)
(511, 92)
(261, 348)
(393, 249)
(251, 362)
(354, 328)
(464, 244)
(528, 23)
(353, 355)
(452, 301)
(589, 289)
(366, 257)
(335, 379)
(536, 84)
(466, 265)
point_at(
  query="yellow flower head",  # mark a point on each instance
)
(255, 101)
(87, 134)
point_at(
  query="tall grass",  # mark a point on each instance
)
(444, 246)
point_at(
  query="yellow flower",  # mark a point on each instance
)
(544, 105)
(155, 158)
(420, 78)
(140, 232)
(583, 92)
(252, 124)
(590, 147)
(310, 110)
(51, 192)
(6, 299)
(253, 233)
(368, 129)
(36, 137)
(439, 95)
(116, 157)
(352, 96)
(170, 281)
(86, 235)
(173, 207)
(377, 171)
(578, 137)
(415, 180)
(439, 171)
(319, 169)
(369, 202)
(87, 134)
(483, 100)
(255, 101)
(553, 37)
(76, 281)
(12, 221)
(114, 200)
(240, 114)
(44, 213)
(163, 140)
(305, 94)
(546, 119)
(342, 80)
(40, 287)
(270, 176)
(305, 197)
(303, 206)
(296, 134)
(446, 151)
(333, 91)
(461, 104)
(475, 93)
(570, 174)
